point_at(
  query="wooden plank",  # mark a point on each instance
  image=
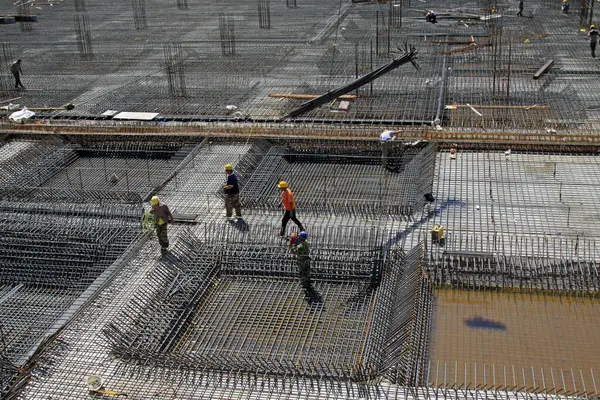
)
(142, 116)
(543, 69)
(309, 96)
(499, 107)
(185, 218)
(344, 105)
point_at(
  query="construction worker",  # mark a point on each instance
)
(431, 16)
(302, 252)
(385, 139)
(289, 207)
(15, 68)
(232, 194)
(593, 38)
(163, 216)
(520, 12)
(565, 6)
(453, 152)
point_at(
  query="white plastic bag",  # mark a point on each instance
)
(21, 116)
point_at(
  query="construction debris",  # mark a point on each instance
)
(310, 96)
(543, 69)
(498, 107)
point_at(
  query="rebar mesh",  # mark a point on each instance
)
(199, 306)
(318, 176)
(122, 168)
(223, 315)
(50, 255)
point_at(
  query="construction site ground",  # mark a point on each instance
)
(505, 304)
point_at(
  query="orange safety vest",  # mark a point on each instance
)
(287, 198)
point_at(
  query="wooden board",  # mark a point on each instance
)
(141, 116)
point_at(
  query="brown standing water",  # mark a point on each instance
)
(525, 341)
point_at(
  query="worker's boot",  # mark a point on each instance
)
(312, 296)
(164, 251)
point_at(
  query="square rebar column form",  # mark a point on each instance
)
(50, 255)
(395, 14)
(139, 14)
(326, 181)
(106, 166)
(192, 313)
(182, 4)
(83, 35)
(24, 15)
(174, 63)
(79, 5)
(264, 14)
(227, 31)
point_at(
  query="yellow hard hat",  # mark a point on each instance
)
(592, 26)
(228, 167)
(155, 200)
(282, 185)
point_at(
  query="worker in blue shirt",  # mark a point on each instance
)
(431, 16)
(232, 194)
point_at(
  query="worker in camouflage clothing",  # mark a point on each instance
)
(162, 216)
(302, 252)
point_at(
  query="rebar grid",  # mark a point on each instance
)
(261, 164)
(515, 203)
(17, 157)
(496, 72)
(344, 42)
(119, 167)
(50, 255)
(200, 308)
(177, 376)
(319, 176)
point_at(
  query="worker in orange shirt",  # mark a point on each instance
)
(289, 207)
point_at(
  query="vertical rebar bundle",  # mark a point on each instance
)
(227, 31)
(174, 65)
(382, 46)
(586, 13)
(6, 81)
(24, 15)
(264, 14)
(182, 4)
(139, 14)
(395, 17)
(80, 6)
(83, 35)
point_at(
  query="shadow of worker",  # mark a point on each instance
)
(240, 224)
